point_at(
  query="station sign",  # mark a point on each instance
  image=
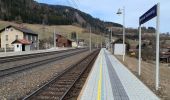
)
(151, 13)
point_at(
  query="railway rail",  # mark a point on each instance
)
(16, 69)
(60, 85)
(28, 56)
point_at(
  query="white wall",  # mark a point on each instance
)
(27, 47)
(11, 32)
(119, 49)
(17, 47)
(74, 44)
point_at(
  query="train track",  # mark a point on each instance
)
(75, 90)
(28, 56)
(16, 69)
(59, 86)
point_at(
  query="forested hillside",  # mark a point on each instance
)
(30, 11)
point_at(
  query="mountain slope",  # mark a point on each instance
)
(30, 11)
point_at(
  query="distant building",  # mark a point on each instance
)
(119, 40)
(165, 55)
(78, 44)
(62, 41)
(81, 43)
(11, 33)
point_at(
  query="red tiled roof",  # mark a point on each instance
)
(22, 41)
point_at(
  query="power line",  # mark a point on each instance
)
(74, 3)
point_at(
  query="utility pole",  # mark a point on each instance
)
(5, 39)
(77, 40)
(38, 45)
(101, 40)
(97, 42)
(54, 39)
(90, 40)
(111, 42)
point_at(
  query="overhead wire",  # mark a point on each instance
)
(74, 4)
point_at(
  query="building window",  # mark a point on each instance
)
(6, 29)
(6, 37)
(16, 37)
(35, 38)
(26, 37)
(35, 44)
(7, 45)
(31, 38)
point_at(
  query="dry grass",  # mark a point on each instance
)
(47, 31)
(148, 75)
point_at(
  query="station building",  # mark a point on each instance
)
(11, 35)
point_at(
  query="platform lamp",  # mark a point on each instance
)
(119, 12)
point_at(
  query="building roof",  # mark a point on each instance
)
(65, 37)
(22, 29)
(22, 41)
(119, 40)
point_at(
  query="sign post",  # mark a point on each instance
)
(151, 13)
(139, 69)
(157, 46)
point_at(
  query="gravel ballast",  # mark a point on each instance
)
(18, 85)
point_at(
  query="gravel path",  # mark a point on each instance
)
(18, 85)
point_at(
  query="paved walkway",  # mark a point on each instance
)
(111, 80)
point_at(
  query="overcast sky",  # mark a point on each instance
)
(106, 10)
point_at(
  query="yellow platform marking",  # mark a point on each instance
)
(99, 91)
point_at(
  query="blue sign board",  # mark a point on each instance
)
(151, 13)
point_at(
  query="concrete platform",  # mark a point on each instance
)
(3, 54)
(111, 80)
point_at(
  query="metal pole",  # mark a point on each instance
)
(139, 67)
(38, 45)
(90, 40)
(97, 42)
(5, 41)
(54, 39)
(157, 46)
(77, 40)
(101, 41)
(124, 49)
(111, 42)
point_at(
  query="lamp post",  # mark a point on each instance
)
(122, 11)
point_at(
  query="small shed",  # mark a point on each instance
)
(165, 58)
(120, 41)
(21, 45)
(62, 41)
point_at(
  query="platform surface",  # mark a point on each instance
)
(111, 80)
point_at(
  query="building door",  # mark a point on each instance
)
(64, 44)
(23, 47)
